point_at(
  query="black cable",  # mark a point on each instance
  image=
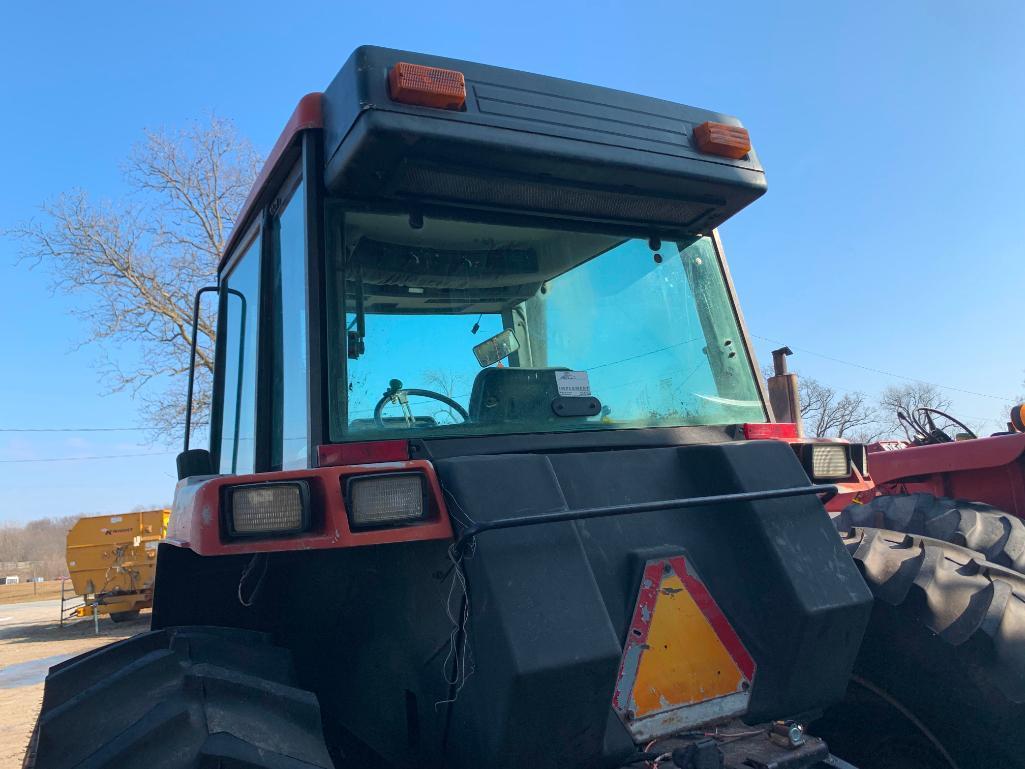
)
(258, 563)
(643, 756)
(886, 373)
(82, 459)
(71, 429)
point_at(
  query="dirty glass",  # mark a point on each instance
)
(650, 333)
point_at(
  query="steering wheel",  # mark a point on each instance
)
(912, 429)
(923, 416)
(396, 393)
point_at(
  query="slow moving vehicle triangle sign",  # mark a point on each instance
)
(683, 663)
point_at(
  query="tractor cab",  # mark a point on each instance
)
(440, 250)
(478, 453)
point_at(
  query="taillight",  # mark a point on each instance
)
(386, 499)
(729, 141)
(427, 86)
(761, 431)
(256, 509)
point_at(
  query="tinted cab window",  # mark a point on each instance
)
(239, 324)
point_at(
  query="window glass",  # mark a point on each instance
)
(240, 293)
(289, 441)
(658, 340)
(648, 329)
(397, 353)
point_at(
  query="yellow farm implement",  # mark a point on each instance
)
(112, 561)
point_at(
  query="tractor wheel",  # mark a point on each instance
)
(124, 616)
(939, 682)
(183, 697)
(997, 536)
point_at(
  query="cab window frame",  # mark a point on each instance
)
(254, 234)
(291, 190)
(299, 172)
(335, 361)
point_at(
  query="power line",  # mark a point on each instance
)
(84, 459)
(1004, 398)
(643, 354)
(70, 429)
(959, 414)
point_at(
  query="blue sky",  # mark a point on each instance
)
(891, 237)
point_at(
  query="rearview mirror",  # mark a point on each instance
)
(501, 345)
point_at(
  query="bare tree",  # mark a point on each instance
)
(141, 261)
(35, 548)
(1016, 404)
(447, 383)
(907, 398)
(826, 413)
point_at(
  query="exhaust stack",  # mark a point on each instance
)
(783, 393)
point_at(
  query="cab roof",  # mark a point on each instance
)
(522, 142)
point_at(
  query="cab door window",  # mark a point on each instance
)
(289, 438)
(240, 292)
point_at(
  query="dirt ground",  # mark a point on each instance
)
(31, 591)
(31, 640)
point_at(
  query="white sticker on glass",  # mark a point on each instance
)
(573, 384)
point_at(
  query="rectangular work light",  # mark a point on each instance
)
(386, 499)
(827, 461)
(267, 508)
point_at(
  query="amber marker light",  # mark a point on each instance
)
(427, 86)
(729, 141)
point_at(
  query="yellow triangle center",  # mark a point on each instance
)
(684, 660)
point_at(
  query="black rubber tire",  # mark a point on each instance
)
(997, 536)
(182, 697)
(939, 680)
(124, 616)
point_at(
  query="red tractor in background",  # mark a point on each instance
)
(944, 482)
(964, 489)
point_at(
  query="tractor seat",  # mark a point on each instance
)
(513, 395)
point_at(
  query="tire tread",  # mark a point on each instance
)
(998, 536)
(179, 698)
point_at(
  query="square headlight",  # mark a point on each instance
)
(255, 509)
(386, 499)
(827, 461)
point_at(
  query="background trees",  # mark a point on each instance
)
(35, 549)
(831, 413)
(140, 261)
(838, 415)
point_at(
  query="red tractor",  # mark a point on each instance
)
(494, 481)
(945, 482)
